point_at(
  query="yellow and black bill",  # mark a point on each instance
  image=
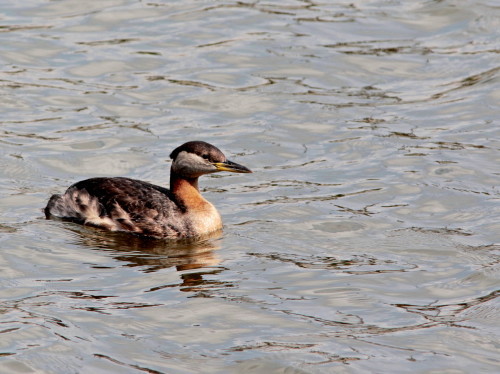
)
(231, 166)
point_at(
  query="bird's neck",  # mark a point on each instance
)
(202, 215)
(186, 190)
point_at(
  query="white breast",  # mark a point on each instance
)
(205, 220)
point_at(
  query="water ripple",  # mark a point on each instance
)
(369, 229)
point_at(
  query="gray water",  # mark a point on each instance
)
(366, 241)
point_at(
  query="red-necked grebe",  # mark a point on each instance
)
(124, 204)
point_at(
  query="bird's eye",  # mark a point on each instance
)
(205, 157)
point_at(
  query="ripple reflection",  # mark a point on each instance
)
(149, 253)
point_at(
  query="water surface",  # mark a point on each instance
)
(367, 239)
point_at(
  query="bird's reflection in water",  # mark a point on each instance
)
(154, 254)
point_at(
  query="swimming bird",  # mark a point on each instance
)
(130, 205)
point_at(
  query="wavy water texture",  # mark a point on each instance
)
(367, 238)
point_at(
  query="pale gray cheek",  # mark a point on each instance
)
(209, 168)
(180, 167)
(189, 169)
